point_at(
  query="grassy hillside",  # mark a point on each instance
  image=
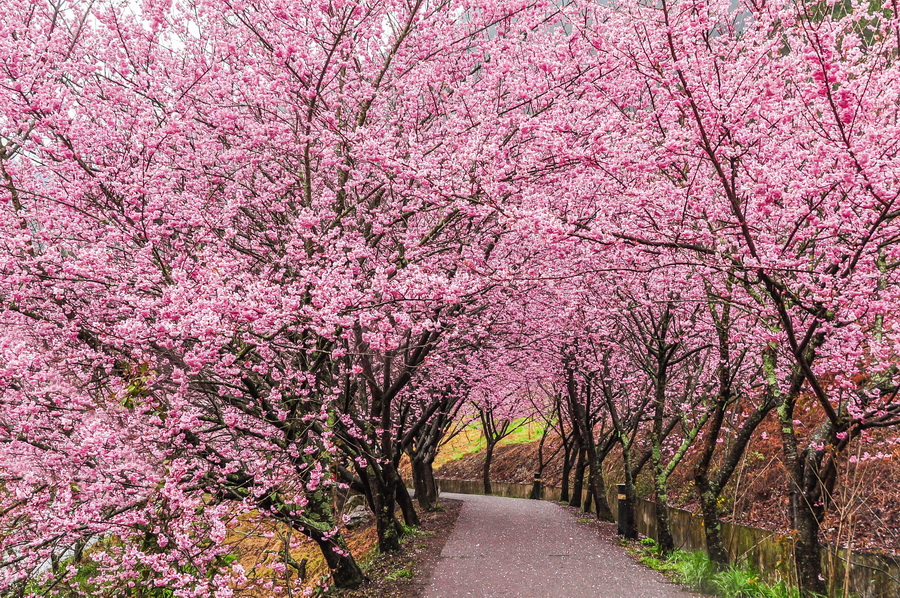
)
(470, 441)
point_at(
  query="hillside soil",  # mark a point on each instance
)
(259, 547)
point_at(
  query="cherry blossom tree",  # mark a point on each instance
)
(232, 235)
(746, 140)
(254, 253)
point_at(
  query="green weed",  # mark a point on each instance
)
(411, 531)
(399, 574)
(694, 569)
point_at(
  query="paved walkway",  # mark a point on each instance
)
(515, 548)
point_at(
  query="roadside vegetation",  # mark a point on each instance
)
(695, 570)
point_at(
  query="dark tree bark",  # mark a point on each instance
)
(422, 440)
(381, 493)
(627, 417)
(661, 510)
(405, 502)
(808, 493)
(584, 416)
(578, 482)
(663, 533)
(598, 485)
(631, 530)
(418, 476)
(431, 488)
(710, 489)
(423, 482)
(662, 339)
(345, 572)
(495, 429)
(566, 471)
(486, 469)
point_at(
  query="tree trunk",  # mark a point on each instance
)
(536, 485)
(663, 532)
(631, 531)
(586, 507)
(578, 483)
(566, 473)
(404, 500)
(808, 550)
(709, 497)
(430, 483)
(709, 490)
(423, 482)
(382, 494)
(418, 475)
(345, 573)
(818, 479)
(598, 487)
(805, 497)
(657, 435)
(712, 526)
(486, 473)
(388, 528)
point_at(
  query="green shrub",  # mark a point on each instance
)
(695, 570)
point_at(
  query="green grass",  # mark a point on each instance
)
(410, 531)
(471, 441)
(530, 432)
(399, 574)
(467, 442)
(694, 569)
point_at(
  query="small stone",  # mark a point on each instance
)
(357, 516)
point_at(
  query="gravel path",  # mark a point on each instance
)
(515, 548)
